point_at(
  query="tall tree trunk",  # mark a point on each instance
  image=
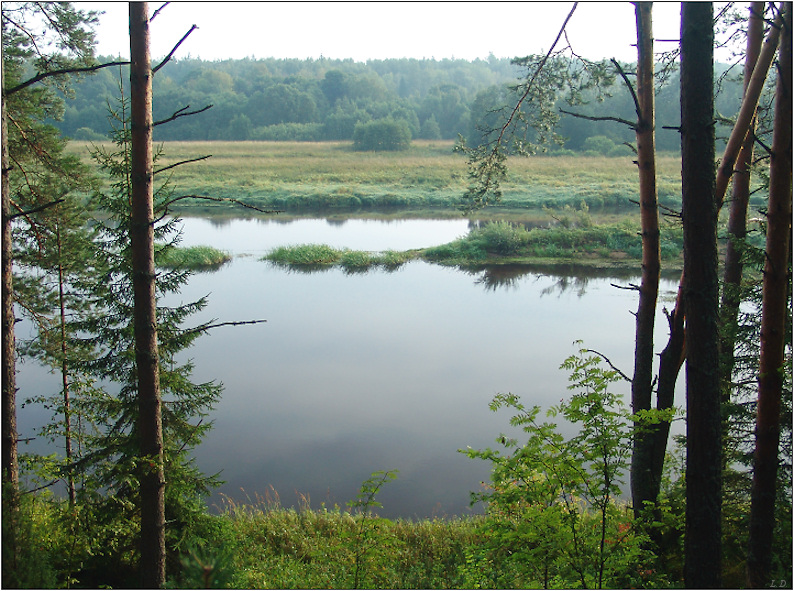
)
(10, 464)
(67, 415)
(737, 222)
(644, 482)
(152, 480)
(773, 322)
(702, 551)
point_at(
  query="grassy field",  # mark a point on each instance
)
(427, 179)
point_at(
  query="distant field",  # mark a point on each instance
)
(329, 176)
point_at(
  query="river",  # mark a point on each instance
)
(354, 373)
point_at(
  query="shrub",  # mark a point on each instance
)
(381, 135)
(553, 518)
(502, 238)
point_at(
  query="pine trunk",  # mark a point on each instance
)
(152, 480)
(644, 482)
(702, 550)
(737, 222)
(10, 462)
(773, 322)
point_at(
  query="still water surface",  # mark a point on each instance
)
(354, 373)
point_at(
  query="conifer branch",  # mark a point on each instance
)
(41, 76)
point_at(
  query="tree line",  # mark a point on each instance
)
(324, 99)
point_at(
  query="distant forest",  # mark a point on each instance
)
(323, 99)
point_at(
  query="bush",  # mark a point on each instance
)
(381, 135)
(503, 238)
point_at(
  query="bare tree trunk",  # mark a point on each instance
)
(737, 222)
(152, 480)
(702, 551)
(644, 482)
(773, 322)
(10, 463)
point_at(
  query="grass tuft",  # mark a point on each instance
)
(192, 257)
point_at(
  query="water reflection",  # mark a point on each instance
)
(354, 373)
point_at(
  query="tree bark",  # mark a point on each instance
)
(773, 322)
(9, 435)
(737, 222)
(747, 110)
(644, 482)
(152, 480)
(702, 550)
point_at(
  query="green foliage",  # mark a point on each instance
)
(94, 270)
(381, 135)
(365, 541)
(554, 519)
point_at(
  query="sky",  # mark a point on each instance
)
(383, 30)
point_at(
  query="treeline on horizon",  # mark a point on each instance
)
(323, 100)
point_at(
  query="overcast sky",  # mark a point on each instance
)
(382, 30)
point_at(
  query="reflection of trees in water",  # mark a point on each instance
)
(565, 279)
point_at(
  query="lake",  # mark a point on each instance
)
(354, 373)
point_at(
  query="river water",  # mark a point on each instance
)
(354, 373)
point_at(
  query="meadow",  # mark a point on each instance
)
(427, 180)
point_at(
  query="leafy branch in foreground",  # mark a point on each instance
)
(523, 130)
(553, 514)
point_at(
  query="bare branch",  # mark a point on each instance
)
(634, 97)
(171, 53)
(600, 118)
(207, 327)
(156, 12)
(175, 164)
(609, 362)
(631, 286)
(164, 207)
(183, 112)
(27, 212)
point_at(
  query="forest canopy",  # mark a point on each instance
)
(323, 99)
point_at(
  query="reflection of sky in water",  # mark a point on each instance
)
(258, 235)
(377, 371)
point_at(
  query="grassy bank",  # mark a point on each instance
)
(429, 177)
(612, 246)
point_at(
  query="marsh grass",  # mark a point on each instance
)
(511, 243)
(192, 257)
(320, 256)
